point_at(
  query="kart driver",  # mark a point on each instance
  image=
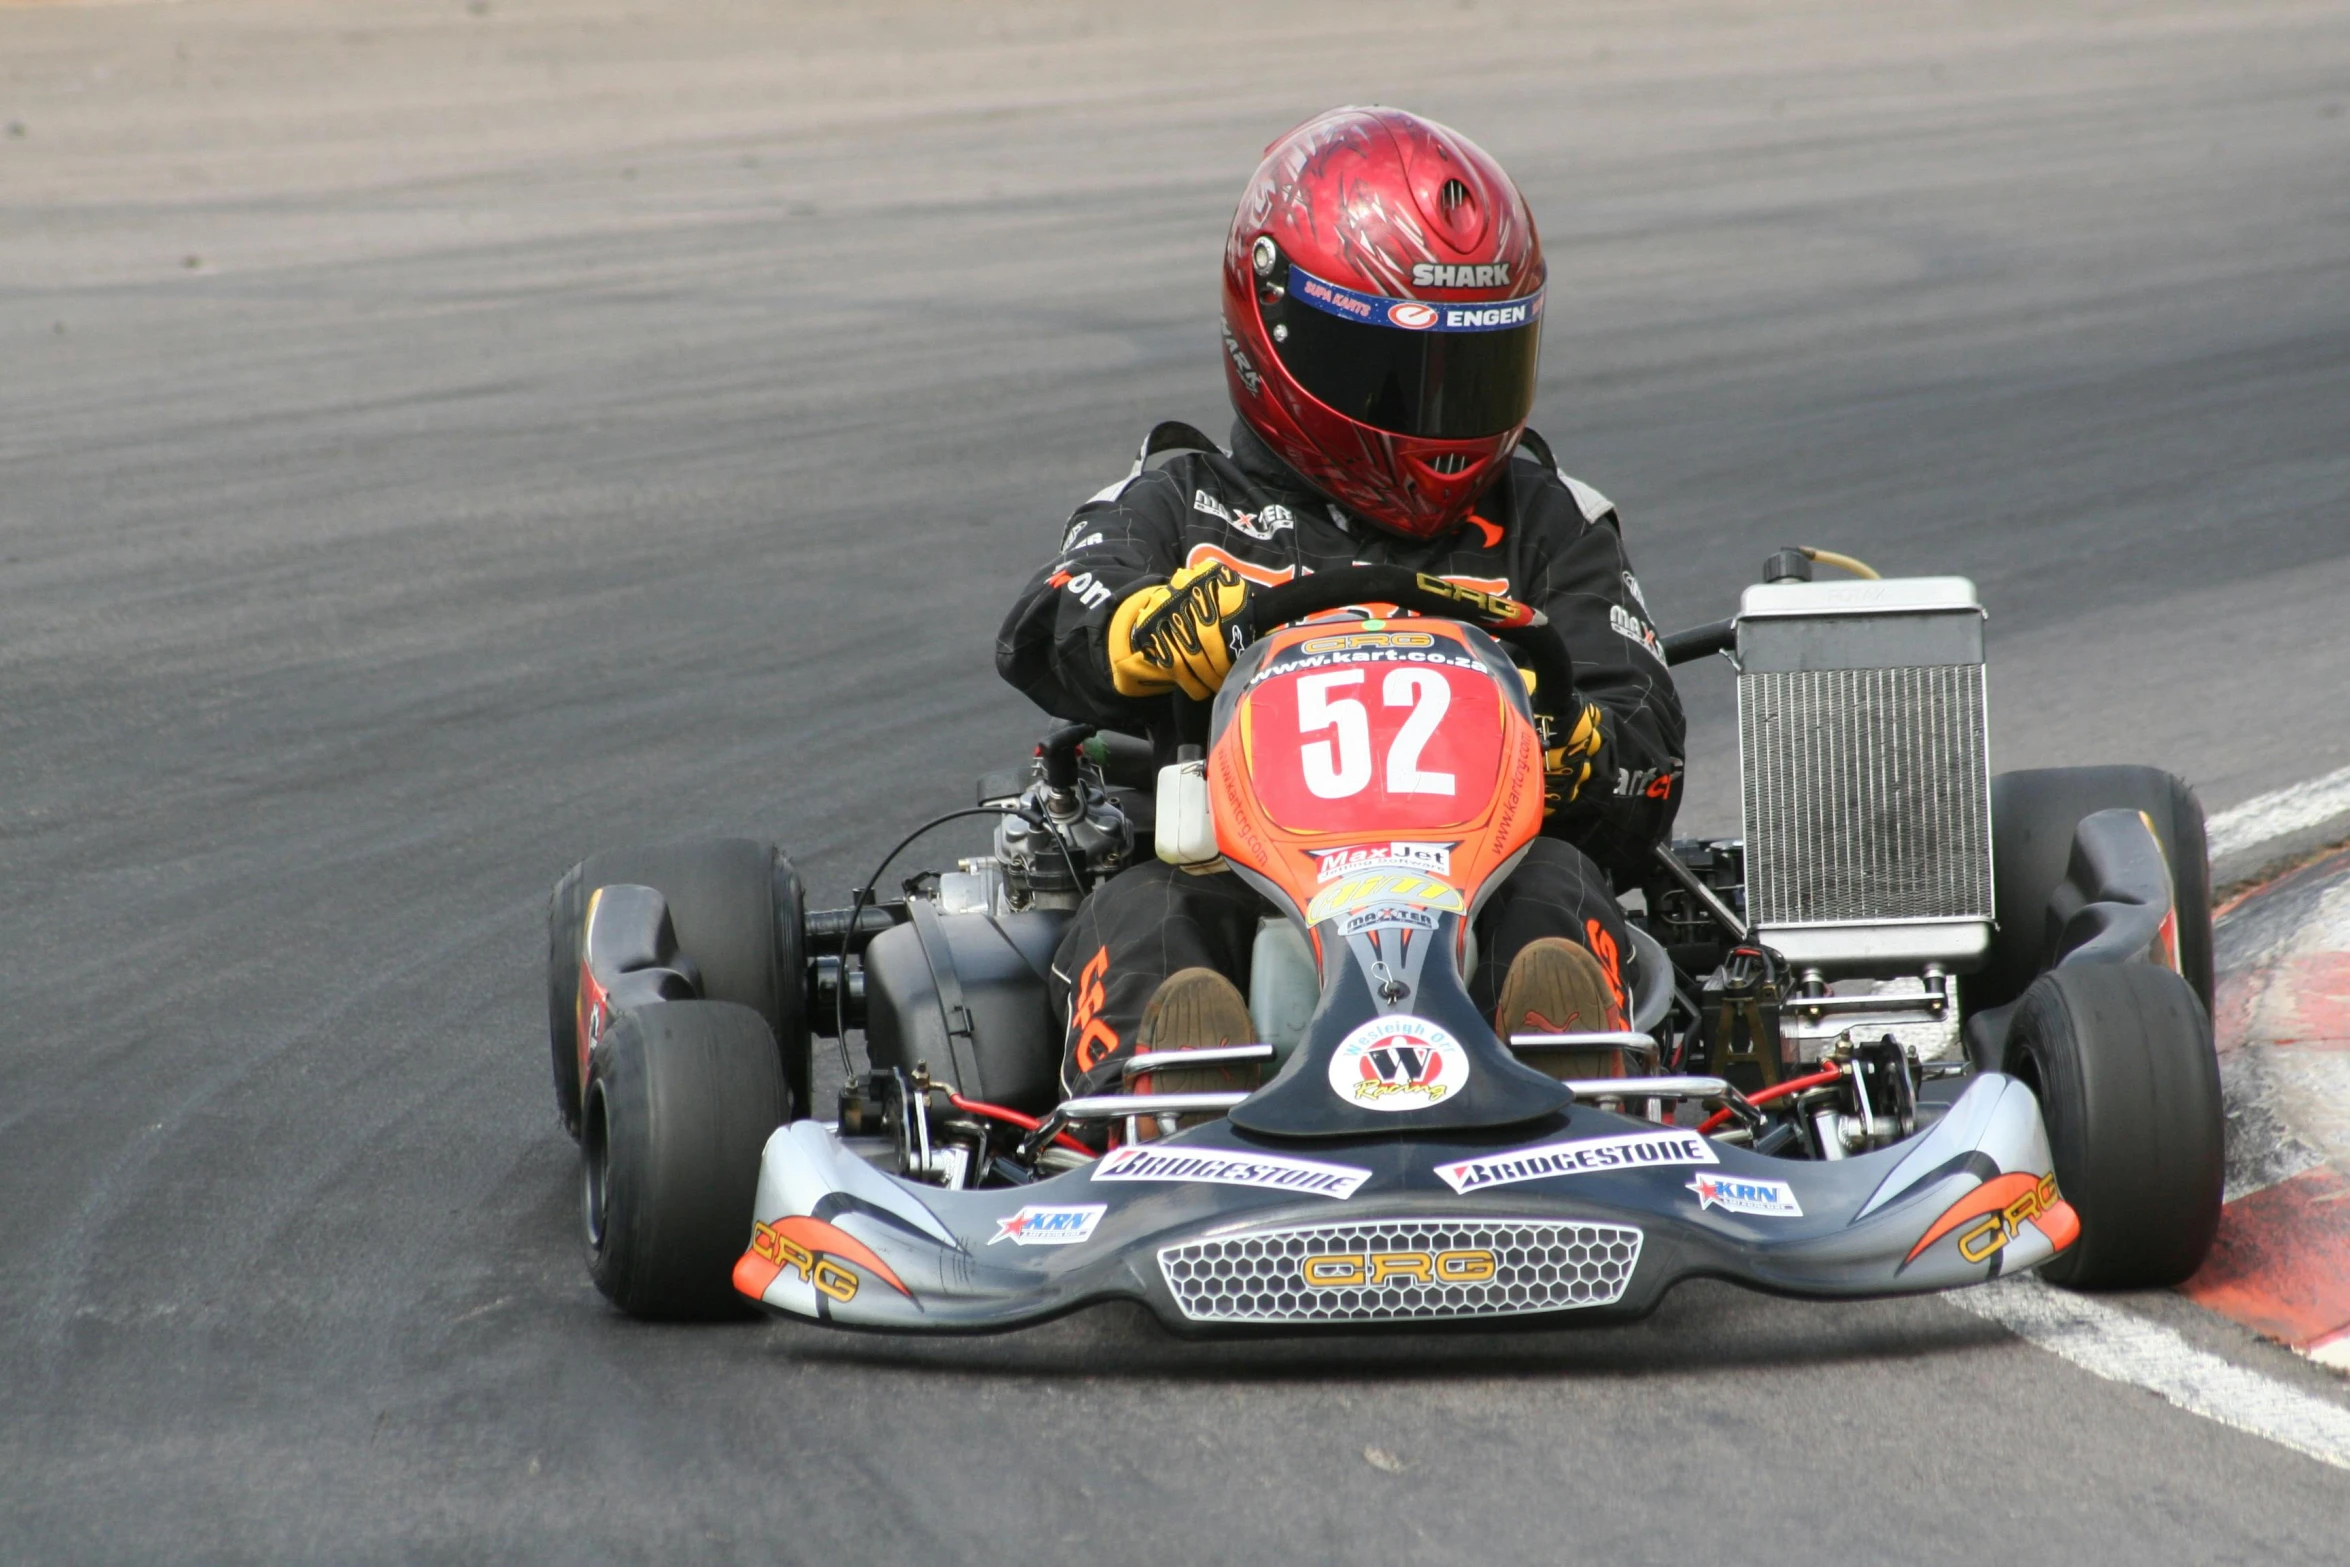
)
(1383, 294)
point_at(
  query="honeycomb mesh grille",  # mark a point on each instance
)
(1867, 796)
(1475, 1268)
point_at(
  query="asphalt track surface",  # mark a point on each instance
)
(437, 441)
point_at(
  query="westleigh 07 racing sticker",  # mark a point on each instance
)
(808, 1247)
(1228, 1167)
(1739, 1194)
(1995, 1212)
(1586, 1156)
(1045, 1224)
(1398, 1063)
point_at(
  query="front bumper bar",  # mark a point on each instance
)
(1593, 1214)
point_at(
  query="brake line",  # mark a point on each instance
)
(1793, 1085)
(1027, 1123)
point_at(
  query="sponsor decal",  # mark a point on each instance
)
(1046, 1224)
(1262, 576)
(1491, 318)
(1477, 594)
(1357, 640)
(1081, 586)
(1737, 1194)
(1412, 314)
(1632, 585)
(1229, 1167)
(1430, 859)
(1351, 1269)
(1648, 783)
(1086, 543)
(1398, 1063)
(1096, 1040)
(1262, 524)
(1242, 366)
(1292, 661)
(815, 1251)
(1374, 887)
(1611, 961)
(1632, 627)
(1333, 298)
(1585, 1156)
(1995, 1212)
(1497, 586)
(1387, 919)
(1435, 274)
(1202, 501)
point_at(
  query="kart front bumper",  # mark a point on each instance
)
(1594, 1214)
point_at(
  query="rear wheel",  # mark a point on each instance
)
(738, 911)
(2122, 1060)
(2033, 816)
(680, 1101)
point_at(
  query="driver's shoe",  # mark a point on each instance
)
(1194, 1009)
(1555, 986)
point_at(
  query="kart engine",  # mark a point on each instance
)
(1065, 826)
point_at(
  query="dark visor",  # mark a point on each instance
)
(1453, 371)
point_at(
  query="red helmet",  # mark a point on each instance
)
(1383, 314)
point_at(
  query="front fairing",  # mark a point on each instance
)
(1377, 778)
(1583, 1213)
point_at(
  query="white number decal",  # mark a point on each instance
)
(1334, 777)
(1427, 694)
(1340, 767)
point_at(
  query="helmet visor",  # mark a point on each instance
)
(1452, 371)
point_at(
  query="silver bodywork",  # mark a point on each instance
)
(1214, 1232)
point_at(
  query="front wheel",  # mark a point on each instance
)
(2034, 815)
(681, 1097)
(2122, 1060)
(737, 908)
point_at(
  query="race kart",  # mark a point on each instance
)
(1918, 1027)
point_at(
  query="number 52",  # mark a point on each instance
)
(1341, 766)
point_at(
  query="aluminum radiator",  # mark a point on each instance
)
(1866, 761)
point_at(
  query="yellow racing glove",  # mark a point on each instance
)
(1175, 634)
(1131, 671)
(1567, 768)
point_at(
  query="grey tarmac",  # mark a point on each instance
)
(438, 441)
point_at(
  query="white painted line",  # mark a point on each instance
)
(2108, 1342)
(2289, 810)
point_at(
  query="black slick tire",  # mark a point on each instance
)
(680, 1100)
(2033, 817)
(739, 914)
(2122, 1060)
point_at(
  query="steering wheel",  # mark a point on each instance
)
(1524, 629)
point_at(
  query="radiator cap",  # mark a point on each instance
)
(1888, 596)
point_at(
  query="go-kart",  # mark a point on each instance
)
(1917, 1028)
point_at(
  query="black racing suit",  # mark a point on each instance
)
(1535, 535)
